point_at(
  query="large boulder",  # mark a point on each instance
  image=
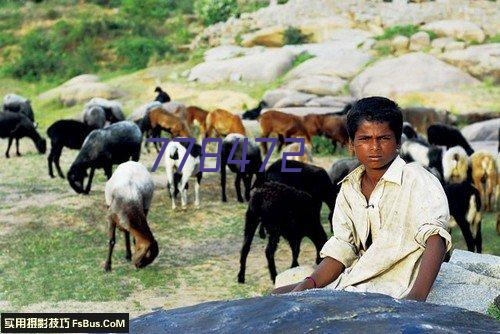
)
(265, 66)
(271, 97)
(321, 29)
(302, 111)
(338, 102)
(319, 311)
(354, 37)
(486, 130)
(459, 29)
(318, 84)
(270, 37)
(297, 99)
(230, 51)
(325, 49)
(230, 100)
(414, 72)
(81, 89)
(469, 280)
(479, 60)
(343, 63)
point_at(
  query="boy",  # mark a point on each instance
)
(390, 217)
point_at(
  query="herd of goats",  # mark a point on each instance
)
(283, 204)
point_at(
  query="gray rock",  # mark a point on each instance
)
(490, 146)
(319, 311)
(355, 37)
(486, 130)
(294, 100)
(479, 60)
(458, 29)
(455, 45)
(414, 72)
(230, 51)
(318, 84)
(342, 63)
(271, 97)
(441, 42)
(265, 66)
(456, 286)
(337, 102)
(399, 44)
(83, 78)
(419, 41)
(484, 264)
(325, 49)
(302, 111)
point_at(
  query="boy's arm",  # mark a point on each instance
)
(326, 272)
(429, 267)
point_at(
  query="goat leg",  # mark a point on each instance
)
(237, 185)
(49, 161)
(128, 252)
(112, 234)
(223, 181)
(251, 222)
(465, 227)
(272, 244)
(17, 147)
(55, 158)
(89, 184)
(295, 246)
(8, 148)
(247, 180)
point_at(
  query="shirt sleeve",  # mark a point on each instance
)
(432, 212)
(341, 246)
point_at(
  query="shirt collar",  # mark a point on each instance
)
(392, 174)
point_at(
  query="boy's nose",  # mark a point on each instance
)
(375, 144)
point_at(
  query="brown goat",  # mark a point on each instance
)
(485, 178)
(221, 122)
(330, 126)
(160, 119)
(284, 125)
(195, 114)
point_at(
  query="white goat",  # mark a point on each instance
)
(174, 154)
(455, 165)
(128, 195)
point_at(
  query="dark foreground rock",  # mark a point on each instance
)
(316, 311)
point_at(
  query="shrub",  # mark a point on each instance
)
(144, 10)
(322, 146)
(293, 35)
(7, 38)
(391, 32)
(302, 57)
(213, 11)
(136, 51)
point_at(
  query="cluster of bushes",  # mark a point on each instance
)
(88, 39)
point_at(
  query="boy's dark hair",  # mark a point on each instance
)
(375, 109)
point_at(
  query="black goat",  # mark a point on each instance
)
(311, 179)
(430, 157)
(282, 211)
(102, 149)
(255, 161)
(255, 112)
(464, 202)
(447, 135)
(162, 96)
(65, 133)
(14, 125)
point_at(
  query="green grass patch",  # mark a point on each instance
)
(304, 56)
(493, 39)
(493, 311)
(488, 232)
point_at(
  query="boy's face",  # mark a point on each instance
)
(375, 145)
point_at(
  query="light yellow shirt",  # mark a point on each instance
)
(407, 205)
